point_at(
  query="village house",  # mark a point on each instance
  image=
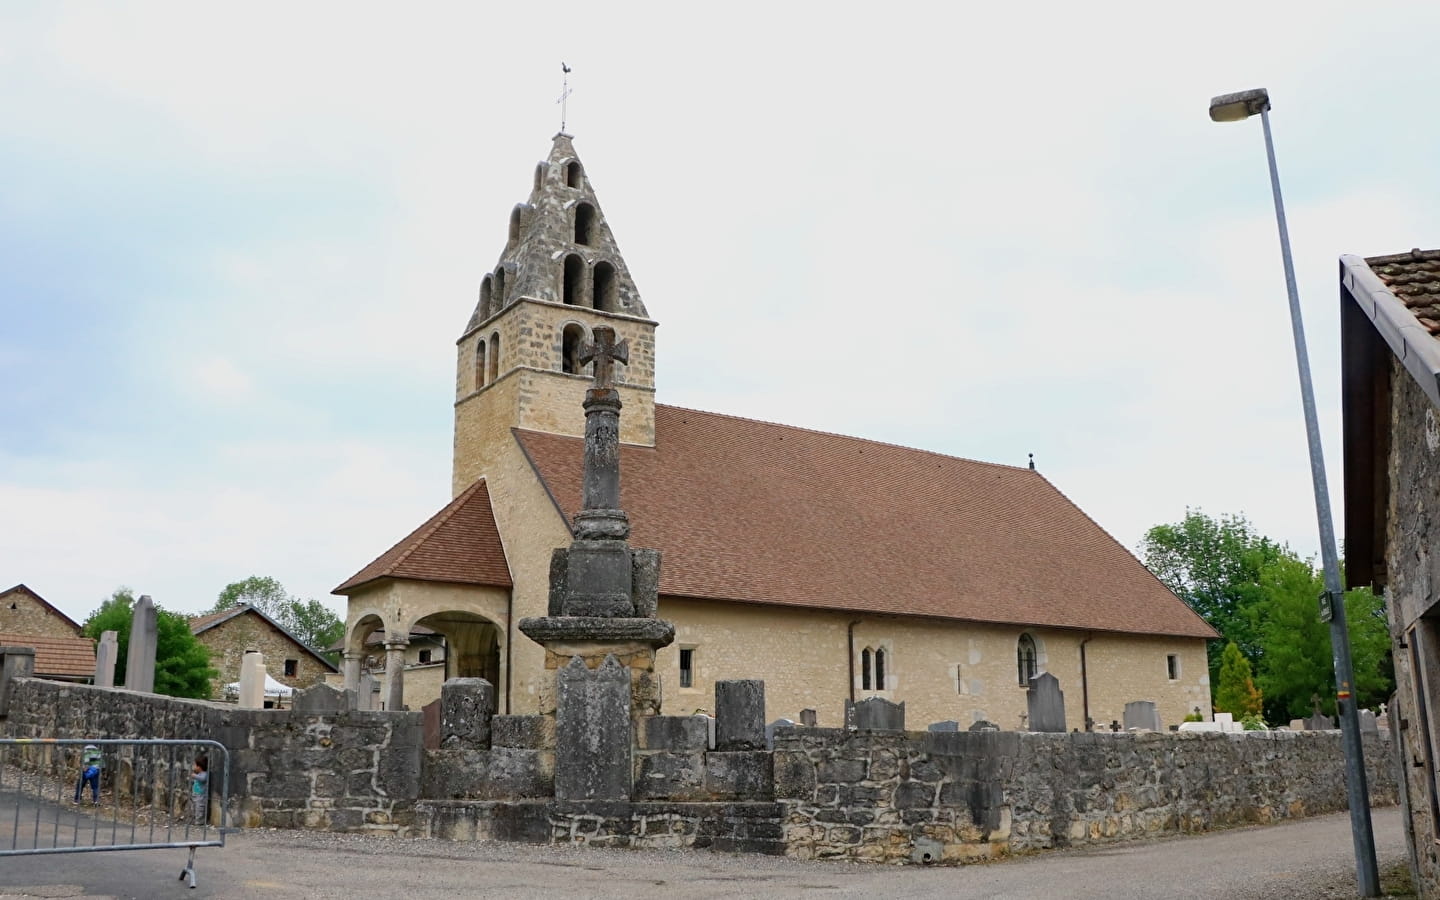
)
(1390, 363)
(834, 568)
(229, 633)
(62, 653)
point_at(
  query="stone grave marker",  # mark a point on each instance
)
(252, 679)
(322, 700)
(1142, 714)
(808, 717)
(592, 731)
(879, 714)
(773, 727)
(466, 705)
(947, 725)
(1045, 704)
(984, 725)
(140, 656)
(107, 653)
(365, 690)
(740, 715)
(1367, 722)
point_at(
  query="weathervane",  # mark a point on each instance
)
(564, 93)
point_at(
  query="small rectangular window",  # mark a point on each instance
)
(424, 657)
(687, 667)
(291, 667)
(1172, 666)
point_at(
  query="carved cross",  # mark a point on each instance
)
(605, 351)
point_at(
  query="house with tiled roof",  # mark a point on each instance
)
(1390, 382)
(61, 651)
(834, 568)
(229, 633)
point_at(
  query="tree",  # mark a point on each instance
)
(311, 621)
(182, 663)
(1297, 663)
(1236, 692)
(1214, 566)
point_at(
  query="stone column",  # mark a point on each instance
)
(252, 680)
(600, 516)
(351, 669)
(15, 662)
(140, 657)
(107, 652)
(395, 675)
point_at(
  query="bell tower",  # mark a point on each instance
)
(559, 276)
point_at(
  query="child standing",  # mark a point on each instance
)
(199, 776)
(89, 774)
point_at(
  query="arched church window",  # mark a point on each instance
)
(539, 175)
(603, 284)
(574, 280)
(1025, 658)
(515, 225)
(494, 357)
(584, 223)
(865, 680)
(573, 173)
(480, 364)
(486, 288)
(880, 669)
(571, 340)
(498, 293)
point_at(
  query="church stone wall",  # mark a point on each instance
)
(802, 655)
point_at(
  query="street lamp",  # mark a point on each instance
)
(1233, 108)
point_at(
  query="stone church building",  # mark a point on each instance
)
(832, 567)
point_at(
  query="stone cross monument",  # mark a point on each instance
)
(601, 621)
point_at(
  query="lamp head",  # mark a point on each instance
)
(1234, 107)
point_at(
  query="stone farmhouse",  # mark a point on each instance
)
(1390, 349)
(62, 653)
(834, 568)
(231, 632)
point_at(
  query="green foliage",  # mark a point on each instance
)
(1214, 565)
(1193, 717)
(1236, 692)
(1254, 723)
(182, 663)
(311, 621)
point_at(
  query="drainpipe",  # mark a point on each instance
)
(850, 640)
(1085, 683)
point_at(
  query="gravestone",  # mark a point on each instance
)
(140, 657)
(15, 662)
(984, 725)
(466, 705)
(808, 717)
(252, 679)
(879, 714)
(1142, 714)
(740, 715)
(322, 700)
(592, 731)
(107, 652)
(365, 690)
(1045, 704)
(1319, 722)
(1367, 722)
(948, 725)
(773, 727)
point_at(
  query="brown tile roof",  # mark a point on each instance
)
(755, 512)
(200, 623)
(70, 657)
(1414, 279)
(458, 544)
(20, 588)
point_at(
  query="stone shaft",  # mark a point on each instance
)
(252, 680)
(593, 744)
(600, 516)
(107, 652)
(740, 715)
(140, 657)
(466, 705)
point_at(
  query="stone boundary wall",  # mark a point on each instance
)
(353, 771)
(938, 797)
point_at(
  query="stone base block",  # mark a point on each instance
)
(523, 732)
(681, 734)
(740, 775)
(670, 776)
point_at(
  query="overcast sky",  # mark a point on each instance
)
(237, 244)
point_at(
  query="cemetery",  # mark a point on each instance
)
(600, 764)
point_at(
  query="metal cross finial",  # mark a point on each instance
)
(605, 351)
(564, 93)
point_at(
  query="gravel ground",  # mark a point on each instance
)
(1309, 858)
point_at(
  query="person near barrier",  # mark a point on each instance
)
(89, 774)
(199, 777)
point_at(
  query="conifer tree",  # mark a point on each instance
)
(1236, 692)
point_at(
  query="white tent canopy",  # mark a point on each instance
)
(273, 688)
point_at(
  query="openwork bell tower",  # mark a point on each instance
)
(520, 362)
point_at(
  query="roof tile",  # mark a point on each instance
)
(1414, 279)
(56, 656)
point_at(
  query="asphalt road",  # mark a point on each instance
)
(1309, 858)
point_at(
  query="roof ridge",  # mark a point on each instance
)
(1407, 256)
(440, 518)
(848, 437)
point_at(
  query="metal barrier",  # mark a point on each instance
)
(139, 795)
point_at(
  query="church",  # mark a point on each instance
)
(834, 568)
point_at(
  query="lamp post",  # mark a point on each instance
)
(1234, 108)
